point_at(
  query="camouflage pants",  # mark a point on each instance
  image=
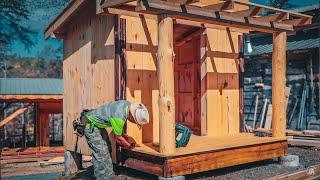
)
(101, 153)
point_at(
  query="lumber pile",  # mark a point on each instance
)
(308, 138)
(312, 172)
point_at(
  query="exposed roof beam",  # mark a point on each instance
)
(274, 17)
(294, 14)
(205, 15)
(113, 3)
(183, 1)
(249, 12)
(220, 6)
(298, 22)
(188, 35)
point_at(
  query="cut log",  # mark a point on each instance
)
(12, 116)
(166, 85)
(279, 84)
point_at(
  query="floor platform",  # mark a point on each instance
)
(204, 153)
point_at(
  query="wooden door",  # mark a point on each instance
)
(187, 84)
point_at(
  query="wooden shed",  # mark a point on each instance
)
(181, 59)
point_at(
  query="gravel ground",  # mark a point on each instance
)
(258, 170)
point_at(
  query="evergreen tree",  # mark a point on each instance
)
(281, 4)
(12, 14)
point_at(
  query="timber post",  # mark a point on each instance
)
(279, 84)
(165, 71)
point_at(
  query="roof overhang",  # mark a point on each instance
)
(253, 17)
(54, 29)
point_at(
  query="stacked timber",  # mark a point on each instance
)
(306, 138)
(258, 94)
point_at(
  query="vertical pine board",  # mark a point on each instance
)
(220, 74)
(141, 37)
(88, 72)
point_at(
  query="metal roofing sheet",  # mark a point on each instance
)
(31, 86)
(294, 45)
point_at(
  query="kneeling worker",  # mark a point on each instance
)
(114, 115)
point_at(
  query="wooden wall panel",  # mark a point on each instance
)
(220, 83)
(142, 84)
(88, 71)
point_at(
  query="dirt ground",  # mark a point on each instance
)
(258, 170)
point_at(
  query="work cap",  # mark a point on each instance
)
(140, 113)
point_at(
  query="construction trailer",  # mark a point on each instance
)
(181, 59)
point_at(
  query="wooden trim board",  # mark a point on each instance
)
(33, 97)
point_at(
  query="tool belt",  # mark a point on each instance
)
(79, 126)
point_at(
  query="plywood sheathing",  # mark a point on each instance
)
(219, 82)
(88, 71)
(142, 81)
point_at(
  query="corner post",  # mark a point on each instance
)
(165, 71)
(279, 84)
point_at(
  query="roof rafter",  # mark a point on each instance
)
(220, 6)
(249, 12)
(272, 9)
(217, 17)
(274, 17)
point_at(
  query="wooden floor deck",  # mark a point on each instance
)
(205, 153)
(203, 143)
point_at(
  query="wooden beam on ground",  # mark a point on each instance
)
(12, 116)
(312, 172)
(303, 142)
(279, 84)
(166, 85)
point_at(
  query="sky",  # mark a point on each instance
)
(38, 20)
(52, 48)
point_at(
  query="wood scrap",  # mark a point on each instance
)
(312, 172)
(293, 112)
(287, 91)
(263, 111)
(267, 124)
(302, 106)
(304, 142)
(255, 112)
(12, 116)
(312, 132)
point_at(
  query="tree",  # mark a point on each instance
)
(12, 13)
(281, 4)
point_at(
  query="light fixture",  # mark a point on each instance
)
(247, 45)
